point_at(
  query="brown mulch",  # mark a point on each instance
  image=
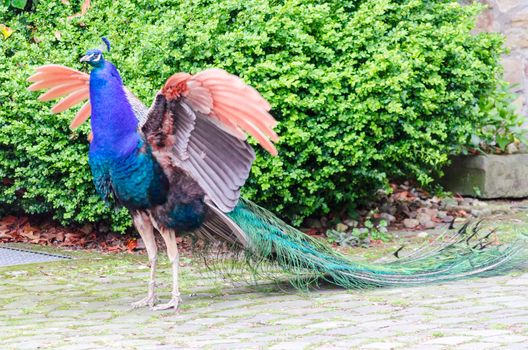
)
(19, 229)
(25, 229)
(405, 201)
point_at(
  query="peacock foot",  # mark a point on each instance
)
(173, 303)
(150, 300)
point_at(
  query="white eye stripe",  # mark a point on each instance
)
(94, 57)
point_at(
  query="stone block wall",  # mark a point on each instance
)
(510, 17)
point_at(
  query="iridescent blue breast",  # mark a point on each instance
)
(136, 180)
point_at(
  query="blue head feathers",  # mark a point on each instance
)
(95, 57)
(107, 43)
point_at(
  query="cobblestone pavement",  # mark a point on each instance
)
(83, 304)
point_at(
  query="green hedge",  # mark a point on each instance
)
(364, 91)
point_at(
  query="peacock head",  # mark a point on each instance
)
(95, 57)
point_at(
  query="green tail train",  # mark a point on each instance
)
(455, 255)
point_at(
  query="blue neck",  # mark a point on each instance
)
(113, 121)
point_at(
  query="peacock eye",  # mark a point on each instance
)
(97, 57)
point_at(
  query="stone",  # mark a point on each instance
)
(481, 212)
(388, 207)
(388, 217)
(478, 345)
(505, 6)
(410, 223)
(447, 218)
(425, 220)
(508, 339)
(486, 23)
(382, 346)
(422, 234)
(468, 201)
(428, 224)
(435, 200)
(16, 273)
(489, 176)
(341, 227)
(459, 221)
(510, 18)
(517, 38)
(520, 18)
(448, 203)
(35, 310)
(313, 223)
(519, 104)
(351, 223)
(428, 211)
(480, 204)
(454, 340)
(441, 214)
(512, 66)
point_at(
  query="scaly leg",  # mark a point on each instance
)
(172, 251)
(146, 230)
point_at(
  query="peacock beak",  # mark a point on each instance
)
(86, 58)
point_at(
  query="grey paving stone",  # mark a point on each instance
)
(508, 339)
(382, 346)
(94, 312)
(65, 313)
(350, 343)
(208, 321)
(456, 340)
(290, 345)
(452, 320)
(427, 347)
(328, 325)
(478, 345)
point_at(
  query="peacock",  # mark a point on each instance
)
(179, 165)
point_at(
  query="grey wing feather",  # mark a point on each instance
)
(140, 110)
(218, 161)
(218, 225)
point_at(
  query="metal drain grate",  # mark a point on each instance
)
(14, 256)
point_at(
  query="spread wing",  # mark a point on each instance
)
(66, 83)
(201, 122)
(73, 88)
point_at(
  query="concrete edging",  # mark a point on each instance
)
(488, 176)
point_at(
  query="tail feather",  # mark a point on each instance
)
(454, 255)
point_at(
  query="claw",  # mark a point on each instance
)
(173, 303)
(149, 300)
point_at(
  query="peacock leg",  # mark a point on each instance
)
(172, 251)
(146, 231)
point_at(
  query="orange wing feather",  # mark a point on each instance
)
(82, 116)
(63, 81)
(236, 107)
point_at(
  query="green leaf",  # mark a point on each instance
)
(20, 4)
(364, 92)
(503, 141)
